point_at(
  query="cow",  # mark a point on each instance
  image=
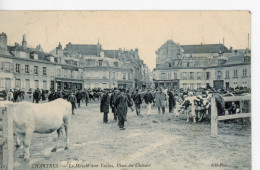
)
(29, 118)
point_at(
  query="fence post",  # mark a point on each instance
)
(214, 118)
(8, 152)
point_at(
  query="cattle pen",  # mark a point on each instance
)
(6, 138)
(243, 113)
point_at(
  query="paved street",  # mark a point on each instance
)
(149, 142)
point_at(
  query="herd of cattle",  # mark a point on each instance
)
(29, 118)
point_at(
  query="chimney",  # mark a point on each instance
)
(39, 48)
(3, 41)
(24, 43)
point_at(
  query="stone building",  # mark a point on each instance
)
(76, 66)
(201, 66)
(24, 68)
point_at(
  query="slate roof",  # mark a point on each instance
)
(82, 49)
(111, 53)
(205, 48)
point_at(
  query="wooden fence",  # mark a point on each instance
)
(6, 138)
(214, 114)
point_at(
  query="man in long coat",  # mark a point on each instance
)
(86, 97)
(148, 98)
(138, 101)
(104, 106)
(72, 99)
(121, 105)
(160, 101)
(172, 101)
(78, 96)
(112, 102)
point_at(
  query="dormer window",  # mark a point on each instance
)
(100, 62)
(246, 59)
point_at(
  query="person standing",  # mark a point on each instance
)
(130, 101)
(86, 97)
(104, 105)
(36, 96)
(172, 101)
(72, 99)
(160, 100)
(121, 105)
(78, 96)
(10, 95)
(148, 98)
(138, 101)
(112, 102)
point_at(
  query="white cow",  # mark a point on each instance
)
(43, 118)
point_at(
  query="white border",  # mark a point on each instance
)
(252, 5)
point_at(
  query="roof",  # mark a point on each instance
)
(4, 52)
(205, 48)
(82, 49)
(111, 53)
(18, 48)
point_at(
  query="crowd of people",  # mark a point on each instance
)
(195, 104)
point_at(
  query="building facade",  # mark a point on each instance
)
(201, 66)
(73, 67)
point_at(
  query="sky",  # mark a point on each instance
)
(145, 30)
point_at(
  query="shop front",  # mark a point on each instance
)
(68, 84)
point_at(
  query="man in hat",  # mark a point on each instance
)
(121, 104)
(112, 102)
(72, 99)
(148, 98)
(138, 101)
(172, 101)
(104, 105)
(160, 101)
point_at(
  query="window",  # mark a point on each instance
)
(169, 75)
(129, 76)
(100, 62)
(44, 71)
(235, 73)
(124, 75)
(58, 72)
(17, 68)
(184, 75)
(191, 86)
(175, 76)
(219, 76)
(227, 74)
(184, 86)
(245, 72)
(198, 85)
(44, 85)
(163, 76)
(6, 66)
(18, 83)
(27, 83)
(35, 69)
(27, 69)
(36, 84)
(192, 75)
(116, 64)
(199, 75)
(207, 75)
(170, 65)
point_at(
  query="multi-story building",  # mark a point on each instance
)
(76, 66)
(201, 66)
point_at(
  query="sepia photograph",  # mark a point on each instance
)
(126, 90)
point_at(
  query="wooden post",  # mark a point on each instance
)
(8, 152)
(214, 118)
